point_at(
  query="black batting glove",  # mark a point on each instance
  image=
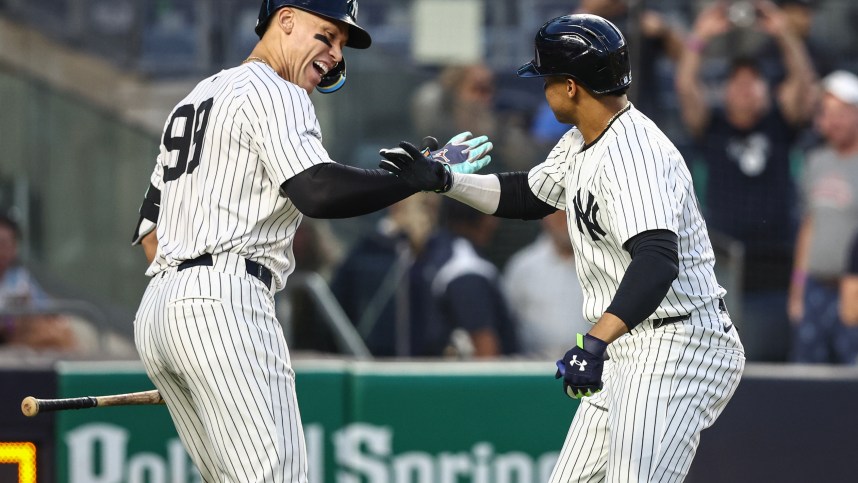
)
(581, 367)
(419, 170)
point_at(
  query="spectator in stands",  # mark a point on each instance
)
(418, 289)
(464, 98)
(799, 15)
(467, 287)
(660, 46)
(829, 224)
(316, 247)
(544, 291)
(316, 250)
(849, 289)
(745, 146)
(25, 321)
(381, 283)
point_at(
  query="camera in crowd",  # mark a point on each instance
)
(742, 13)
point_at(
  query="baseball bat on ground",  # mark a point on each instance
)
(31, 406)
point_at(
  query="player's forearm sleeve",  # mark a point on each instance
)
(149, 211)
(480, 191)
(654, 267)
(333, 190)
(517, 200)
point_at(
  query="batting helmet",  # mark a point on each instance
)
(587, 48)
(342, 10)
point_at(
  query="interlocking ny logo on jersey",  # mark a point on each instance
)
(587, 215)
(575, 362)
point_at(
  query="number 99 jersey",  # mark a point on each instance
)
(225, 151)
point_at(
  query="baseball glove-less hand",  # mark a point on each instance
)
(581, 367)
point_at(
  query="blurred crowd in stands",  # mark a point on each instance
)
(34, 322)
(770, 128)
(767, 118)
(25, 322)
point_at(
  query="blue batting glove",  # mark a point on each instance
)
(581, 367)
(463, 153)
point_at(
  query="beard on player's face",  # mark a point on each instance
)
(317, 47)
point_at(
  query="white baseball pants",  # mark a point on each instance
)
(663, 386)
(211, 344)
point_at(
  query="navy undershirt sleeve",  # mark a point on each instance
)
(654, 267)
(333, 190)
(517, 200)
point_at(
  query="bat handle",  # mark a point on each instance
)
(31, 406)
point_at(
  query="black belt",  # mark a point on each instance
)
(253, 268)
(656, 323)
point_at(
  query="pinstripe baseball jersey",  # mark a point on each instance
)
(630, 180)
(226, 149)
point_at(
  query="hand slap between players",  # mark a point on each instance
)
(581, 367)
(419, 170)
(430, 170)
(464, 153)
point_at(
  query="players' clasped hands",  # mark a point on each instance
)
(430, 169)
(581, 367)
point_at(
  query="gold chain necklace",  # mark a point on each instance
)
(255, 59)
(617, 114)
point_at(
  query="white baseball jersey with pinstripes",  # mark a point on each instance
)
(229, 145)
(662, 384)
(208, 335)
(631, 180)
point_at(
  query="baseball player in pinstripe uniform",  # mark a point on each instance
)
(241, 160)
(662, 358)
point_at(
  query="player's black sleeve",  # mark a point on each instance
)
(333, 190)
(148, 211)
(518, 201)
(655, 265)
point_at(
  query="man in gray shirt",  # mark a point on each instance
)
(829, 224)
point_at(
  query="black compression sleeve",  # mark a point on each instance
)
(333, 190)
(654, 267)
(516, 199)
(148, 210)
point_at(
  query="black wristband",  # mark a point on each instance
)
(593, 345)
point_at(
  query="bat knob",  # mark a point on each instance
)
(430, 143)
(29, 406)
